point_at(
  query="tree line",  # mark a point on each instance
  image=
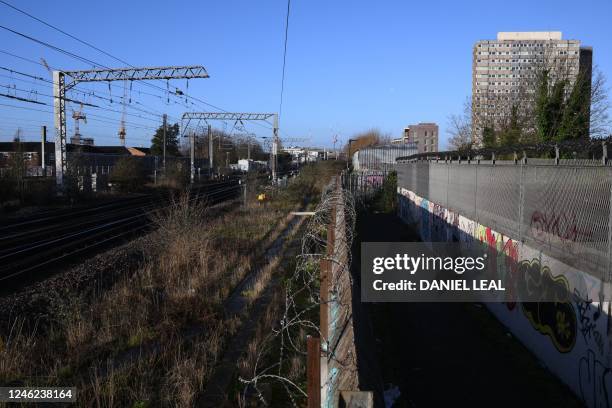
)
(226, 147)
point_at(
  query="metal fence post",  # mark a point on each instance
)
(609, 277)
(521, 202)
(475, 193)
(447, 182)
(313, 369)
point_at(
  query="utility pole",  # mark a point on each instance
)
(227, 159)
(210, 151)
(274, 149)
(244, 187)
(348, 158)
(164, 132)
(43, 141)
(192, 151)
(63, 81)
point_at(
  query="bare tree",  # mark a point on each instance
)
(601, 126)
(362, 140)
(460, 128)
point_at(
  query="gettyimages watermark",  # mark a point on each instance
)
(451, 272)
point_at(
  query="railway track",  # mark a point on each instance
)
(34, 246)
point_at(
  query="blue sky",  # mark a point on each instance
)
(351, 65)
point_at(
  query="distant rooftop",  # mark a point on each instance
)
(529, 35)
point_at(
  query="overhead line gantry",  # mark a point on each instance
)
(63, 81)
(238, 116)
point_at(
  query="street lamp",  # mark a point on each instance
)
(348, 158)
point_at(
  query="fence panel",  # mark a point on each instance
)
(438, 181)
(498, 197)
(563, 210)
(567, 213)
(462, 189)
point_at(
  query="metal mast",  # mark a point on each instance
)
(65, 80)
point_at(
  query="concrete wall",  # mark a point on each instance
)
(571, 336)
(341, 364)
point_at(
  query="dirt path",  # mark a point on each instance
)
(216, 392)
(452, 354)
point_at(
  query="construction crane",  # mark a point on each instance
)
(78, 116)
(122, 131)
(17, 137)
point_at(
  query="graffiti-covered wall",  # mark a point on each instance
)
(572, 336)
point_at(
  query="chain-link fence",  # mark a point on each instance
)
(562, 209)
(381, 157)
(363, 185)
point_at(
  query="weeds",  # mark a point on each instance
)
(154, 337)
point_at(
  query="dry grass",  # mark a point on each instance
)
(130, 345)
(16, 352)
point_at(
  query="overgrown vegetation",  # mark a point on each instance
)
(128, 174)
(386, 198)
(16, 189)
(154, 337)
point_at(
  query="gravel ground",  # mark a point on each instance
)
(39, 303)
(42, 302)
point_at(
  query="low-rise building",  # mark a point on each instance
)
(91, 156)
(248, 165)
(304, 154)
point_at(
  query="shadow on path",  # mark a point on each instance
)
(450, 354)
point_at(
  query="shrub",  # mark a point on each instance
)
(7, 189)
(177, 174)
(386, 199)
(129, 174)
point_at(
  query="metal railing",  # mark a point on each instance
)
(382, 157)
(363, 185)
(560, 207)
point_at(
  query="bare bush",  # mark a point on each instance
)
(128, 174)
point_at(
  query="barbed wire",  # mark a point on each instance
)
(303, 297)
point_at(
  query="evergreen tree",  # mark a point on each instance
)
(555, 108)
(541, 103)
(511, 134)
(172, 142)
(488, 137)
(575, 121)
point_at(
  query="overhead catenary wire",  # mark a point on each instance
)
(84, 59)
(99, 50)
(143, 126)
(84, 92)
(87, 60)
(280, 108)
